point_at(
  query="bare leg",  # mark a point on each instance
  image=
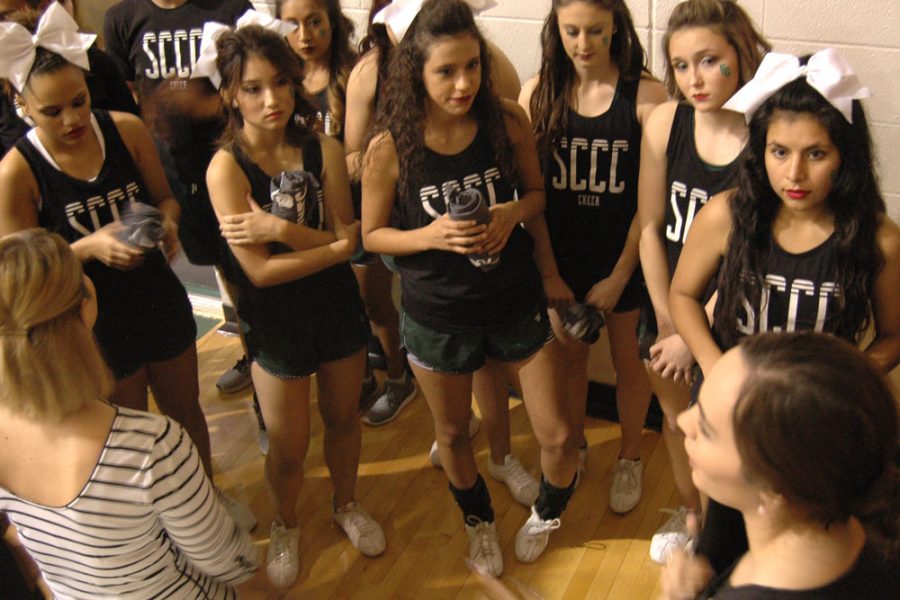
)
(339, 383)
(375, 282)
(177, 393)
(632, 385)
(285, 407)
(450, 399)
(492, 396)
(674, 398)
(543, 393)
(131, 392)
(574, 370)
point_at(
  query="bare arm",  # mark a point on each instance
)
(360, 109)
(228, 191)
(700, 259)
(525, 95)
(885, 348)
(379, 178)
(652, 196)
(143, 151)
(503, 74)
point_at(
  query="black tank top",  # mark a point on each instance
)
(591, 184)
(690, 181)
(75, 208)
(800, 294)
(329, 290)
(443, 290)
(324, 117)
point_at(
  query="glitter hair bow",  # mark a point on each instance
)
(827, 72)
(206, 63)
(56, 31)
(399, 14)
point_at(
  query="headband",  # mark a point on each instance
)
(827, 72)
(399, 14)
(56, 31)
(206, 64)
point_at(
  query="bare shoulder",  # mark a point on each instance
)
(223, 167)
(888, 239)
(650, 94)
(364, 75)
(659, 124)
(129, 125)
(517, 122)
(718, 210)
(504, 75)
(382, 150)
(528, 89)
(14, 169)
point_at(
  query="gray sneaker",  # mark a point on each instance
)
(393, 398)
(236, 378)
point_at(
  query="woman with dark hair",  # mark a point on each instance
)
(588, 106)
(322, 41)
(799, 433)
(298, 298)
(689, 153)
(444, 134)
(803, 243)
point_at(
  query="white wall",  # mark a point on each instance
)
(865, 31)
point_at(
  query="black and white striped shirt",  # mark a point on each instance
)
(146, 525)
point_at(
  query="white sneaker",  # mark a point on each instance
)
(283, 560)
(484, 547)
(625, 492)
(532, 538)
(364, 532)
(240, 512)
(671, 536)
(522, 485)
(434, 457)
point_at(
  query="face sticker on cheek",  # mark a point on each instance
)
(834, 176)
(606, 40)
(322, 33)
(725, 70)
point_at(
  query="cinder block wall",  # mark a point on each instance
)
(865, 31)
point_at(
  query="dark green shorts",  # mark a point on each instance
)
(460, 353)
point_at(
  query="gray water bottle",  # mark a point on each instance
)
(142, 225)
(469, 205)
(293, 195)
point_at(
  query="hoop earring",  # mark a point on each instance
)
(234, 103)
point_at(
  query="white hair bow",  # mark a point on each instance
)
(206, 63)
(56, 31)
(827, 72)
(399, 14)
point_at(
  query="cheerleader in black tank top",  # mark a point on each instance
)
(689, 153)
(298, 297)
(458, 317)
(587, 107)
(803, 243)
(75, 173)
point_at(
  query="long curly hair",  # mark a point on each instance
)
(855, 201)
(549, 104)
(341, 58)
(235, 48)
(727, 19)
(404, 110)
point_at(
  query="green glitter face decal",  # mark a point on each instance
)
(723, 68)
(606, 40)
(834, 176)
(321, 32)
